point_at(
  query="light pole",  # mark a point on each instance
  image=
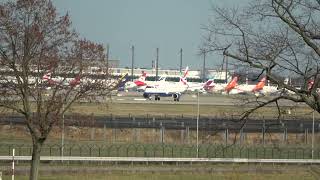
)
(312, 139)
(198, 114)
(62, 133)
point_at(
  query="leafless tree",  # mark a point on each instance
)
(274, 37)
(44, 67)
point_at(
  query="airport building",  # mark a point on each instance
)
(172, 75)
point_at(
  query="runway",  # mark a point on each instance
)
(204, 99)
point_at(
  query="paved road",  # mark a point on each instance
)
(183, 123)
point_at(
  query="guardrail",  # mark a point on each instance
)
(149, 159)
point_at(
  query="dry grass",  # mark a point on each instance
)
(186, 110)
(293, 174)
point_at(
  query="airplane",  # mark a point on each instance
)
(140, 84)
(47, 78)
(201, 87)
(166, 90)
(258, 89)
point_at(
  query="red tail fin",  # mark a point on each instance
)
(232, 84)
(46, 76)
(260, 85)
(75, 81)
(310, 84)
(208, 85)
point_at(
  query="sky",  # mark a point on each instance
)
(147, 24)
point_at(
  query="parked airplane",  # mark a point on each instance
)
(201, 87)
(258, 89)
(166, 90)
(141, 84)
(137, 83)
(47, 78)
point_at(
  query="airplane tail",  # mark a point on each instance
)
(208, 85)
(183, 78)
(232, 84)
(260, 85)
(186, 72)
(183, 81)
(123, 80)
(142, 78)
(75, 81)
(46, 76)
(310, 84)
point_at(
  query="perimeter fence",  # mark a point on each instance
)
(164, 150)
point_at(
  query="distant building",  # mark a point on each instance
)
(172, 75)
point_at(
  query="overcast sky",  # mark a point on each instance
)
(147, 24)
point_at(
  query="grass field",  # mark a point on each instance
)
(143, 109)
(292, 175)
(171, 172)
(183, 109)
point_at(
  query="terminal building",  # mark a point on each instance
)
(171, 75)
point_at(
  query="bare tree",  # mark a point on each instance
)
(275, 37)
(44, 67)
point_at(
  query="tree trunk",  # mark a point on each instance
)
(36, 150)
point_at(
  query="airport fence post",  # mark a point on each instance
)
(134, 129)
(241, 136)
(306, 135)
(286, 134)
(114, 128)
(92, 123)
(182, 133)
(104, 132)
(93, 131)
(226, 136)
(161, 133)
(13, 153)
(187, 135)
(9, 150)
(138, 133)
(154, 127)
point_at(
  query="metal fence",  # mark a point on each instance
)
(164, 150)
